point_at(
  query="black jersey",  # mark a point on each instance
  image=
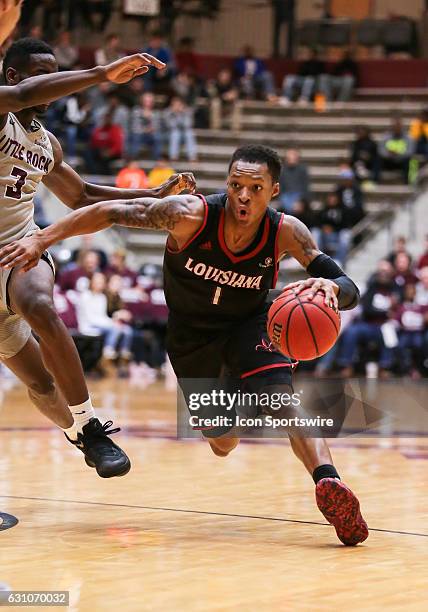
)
(207, 286)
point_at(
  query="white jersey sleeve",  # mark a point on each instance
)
(26, 156)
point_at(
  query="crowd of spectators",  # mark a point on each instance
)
(117, 316)
(389, 331)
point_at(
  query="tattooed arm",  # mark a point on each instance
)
(181, 216)
(296, 240)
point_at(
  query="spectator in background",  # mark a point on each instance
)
(364, 156)
(118, 111)
(145, 127)
(422, 287)
(341, 80)
(161, 172)
(423, 259)
(132, 176)
(179, 121)
(185, 57)
(333, 236)
(294, 181)
(117, 266)
(256, 82)
(350, 198)
(396, 150)
(159, 81)
(77, 276)
(66, 53)
(412, 319)
(403, 270)
(106, 146)
(304, 81)
(93, 319)
(77, 123)
(224, 94)
(91, 9)
(302, 210)
(110, 51)
(418, 132)
(400, 246)
(381, 297)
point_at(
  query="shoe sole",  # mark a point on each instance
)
(342, 510)
(123, 472)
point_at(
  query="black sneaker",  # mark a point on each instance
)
(100, 451)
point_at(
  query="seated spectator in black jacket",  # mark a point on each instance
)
(224, 94)
(396, 150)
(332, 236)
(380, 299)
(341, 80)
(304, 81)
(350, 198)
(364, 155)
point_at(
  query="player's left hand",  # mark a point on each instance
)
(23, 254)
(178, 183)
(325, 285)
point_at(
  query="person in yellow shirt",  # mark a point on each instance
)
(161, 172)
(132, 177)
(418, 132)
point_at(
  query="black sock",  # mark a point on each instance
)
(324, 471)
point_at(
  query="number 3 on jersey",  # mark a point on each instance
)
(216, 296)
(15, 191)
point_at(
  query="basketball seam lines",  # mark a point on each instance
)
(308, 324)
(325, 312)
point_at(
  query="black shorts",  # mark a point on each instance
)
(242, 353)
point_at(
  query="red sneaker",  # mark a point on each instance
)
(342, 509)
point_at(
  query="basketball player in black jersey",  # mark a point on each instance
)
(221, 259)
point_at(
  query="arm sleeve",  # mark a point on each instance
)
(324, 266)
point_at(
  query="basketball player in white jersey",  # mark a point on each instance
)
(51, 368)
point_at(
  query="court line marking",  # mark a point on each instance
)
(185, 511)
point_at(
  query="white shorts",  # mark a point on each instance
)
(14, 330)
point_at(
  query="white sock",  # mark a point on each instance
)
(71, 432)
(82, 413)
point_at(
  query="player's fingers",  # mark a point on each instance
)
(9, 257)
(316, 285)
(153, 61)
(17, 260)
(140, 71)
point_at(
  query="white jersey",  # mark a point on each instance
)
(25, 158)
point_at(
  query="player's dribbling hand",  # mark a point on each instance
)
(127, 68)
(178, 183)
(325, 285)
(23, 254)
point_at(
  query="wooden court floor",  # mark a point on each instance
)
(186, 530)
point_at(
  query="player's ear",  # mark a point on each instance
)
(275, 190)
(12, 76)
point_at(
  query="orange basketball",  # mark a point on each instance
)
(300, 328)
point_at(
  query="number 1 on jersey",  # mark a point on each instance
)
(217, 294)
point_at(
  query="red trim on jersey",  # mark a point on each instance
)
(268, 367)
(237, 258)
(275, 278)
(192, 238)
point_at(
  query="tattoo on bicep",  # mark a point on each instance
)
(154, 215)
(304, 240)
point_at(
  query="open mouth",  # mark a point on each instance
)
(242, 213)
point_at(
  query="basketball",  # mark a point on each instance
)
(300, 328)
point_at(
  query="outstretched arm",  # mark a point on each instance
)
(46, 88)
(75, 193)
(180, 216)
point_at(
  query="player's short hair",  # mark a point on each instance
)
(19, 52)
(259, 154)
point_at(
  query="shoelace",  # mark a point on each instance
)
(107, 431)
